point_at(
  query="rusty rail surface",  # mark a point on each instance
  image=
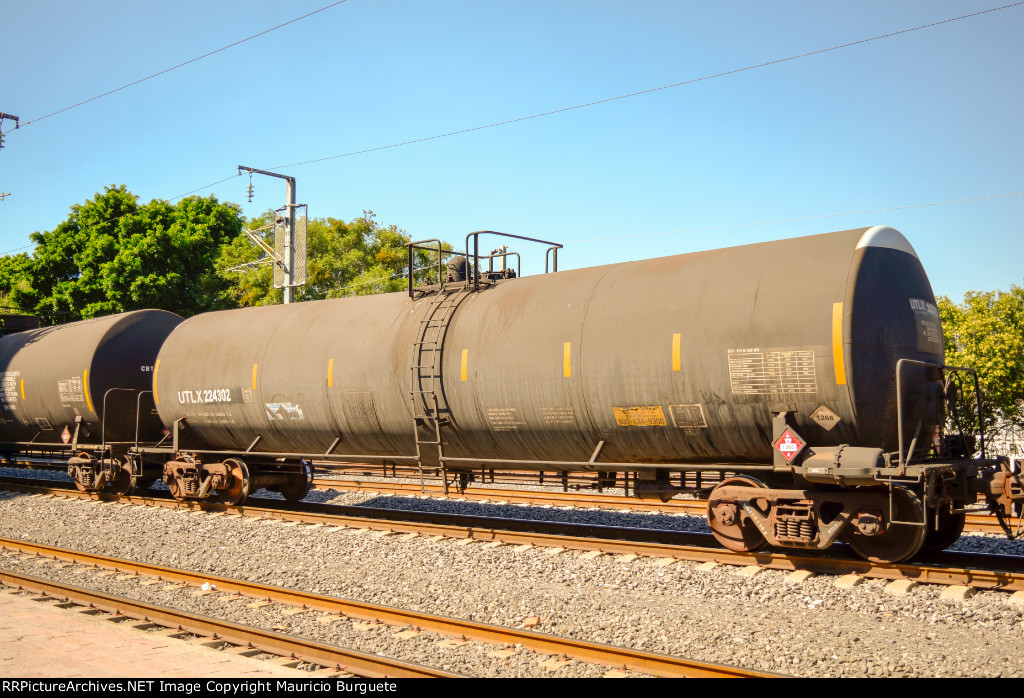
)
(269, 641)
(1004, 573)
(646, 662)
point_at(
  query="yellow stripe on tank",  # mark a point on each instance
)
(677, 361)
(85, 385)
(156, 372)
(330, 373)
(837, 343)
(255, 367)
(465, 365)
(22, 388)
(567, 359)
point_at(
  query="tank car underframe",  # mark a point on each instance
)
(886, 507)
(903, 511)
(91, 466)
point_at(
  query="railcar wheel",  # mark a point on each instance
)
(239, 489)
(125, 481)
(122, 482)
(728, 524)
(296, 487)
(175, 491)
(948, 531)
(899, 541)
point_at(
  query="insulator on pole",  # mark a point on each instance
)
(9, 117)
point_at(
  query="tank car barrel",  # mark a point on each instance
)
(677, 360)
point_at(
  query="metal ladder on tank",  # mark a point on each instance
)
(425, 378)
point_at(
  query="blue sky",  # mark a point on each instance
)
(927, 116)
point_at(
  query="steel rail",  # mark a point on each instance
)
(1004, 573)
(976, 522)
(395, 521)
(540, 497)
(353, 661)
(637, 660)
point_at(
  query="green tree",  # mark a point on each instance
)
(13, 277)
(986, 333)
(359, 257)
(113, 254)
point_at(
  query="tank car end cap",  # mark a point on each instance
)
(884, 236)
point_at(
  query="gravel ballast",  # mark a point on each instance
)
(719, 615)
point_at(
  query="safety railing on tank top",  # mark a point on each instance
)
(475, 260)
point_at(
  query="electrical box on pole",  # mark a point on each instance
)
(290, 242)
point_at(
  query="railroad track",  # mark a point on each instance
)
(1002, 572)
(267, 641)
(325, 655)
(976, 522)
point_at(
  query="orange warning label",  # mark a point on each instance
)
(640, 416)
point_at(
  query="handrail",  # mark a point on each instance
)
(476, 250)
(554, 257)
(502, 255)
(474, 259)
(419, 245)
(899, 403)
(103, 417)
(138, 412)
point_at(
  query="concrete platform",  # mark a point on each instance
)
(38, 639)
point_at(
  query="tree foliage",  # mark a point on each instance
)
(13, 276)
(354, 258)
(986, 333)
(113, 254)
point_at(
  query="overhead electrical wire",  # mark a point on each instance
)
(653, 89)
(181, 65)
(562, 110)
(590, 104)
(16, 249)
(206, 186)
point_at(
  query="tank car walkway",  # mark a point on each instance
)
(40, 640)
